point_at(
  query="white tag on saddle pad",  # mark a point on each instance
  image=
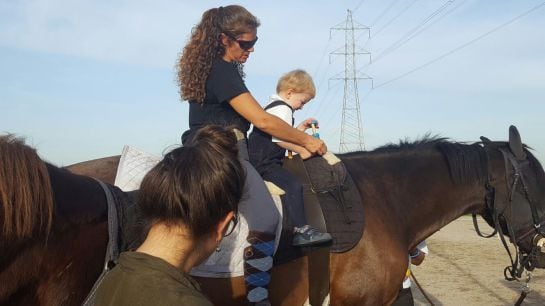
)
(133, 166)
(331, 158)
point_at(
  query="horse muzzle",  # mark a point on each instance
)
(540, 244)
(538, 260)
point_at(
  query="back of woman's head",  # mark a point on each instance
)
(195, 185)
(204, 45)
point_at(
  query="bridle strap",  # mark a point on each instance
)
(478, 230)
(519, 177)
(531, 231)
(521, 261)
(516, 268)
(522, 296)
(489, 202)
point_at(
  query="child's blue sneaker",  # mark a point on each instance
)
(307, 235)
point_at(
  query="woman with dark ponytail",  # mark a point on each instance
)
(188, 202)
(211, 78)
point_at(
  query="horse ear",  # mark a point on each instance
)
(515, 144)
(485, 140)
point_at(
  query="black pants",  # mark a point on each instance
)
(404, 298)
(256, 205)
(293, 199)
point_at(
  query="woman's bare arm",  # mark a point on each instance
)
(249, 108)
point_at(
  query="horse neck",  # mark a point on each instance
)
(413, 191)
(79, 214)
(78, 198)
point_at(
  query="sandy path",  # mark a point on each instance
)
(465, 269)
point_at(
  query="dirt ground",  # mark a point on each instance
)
(465, 269)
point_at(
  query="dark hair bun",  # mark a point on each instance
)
(217, 137)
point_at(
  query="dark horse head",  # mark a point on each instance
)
(514, 198)
(517, 209)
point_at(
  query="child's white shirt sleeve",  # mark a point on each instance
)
(283, 112)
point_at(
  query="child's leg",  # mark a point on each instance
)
(304, 235)
(293, 197)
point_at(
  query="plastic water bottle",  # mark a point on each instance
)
(315, 131)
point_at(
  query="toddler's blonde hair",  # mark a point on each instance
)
(298, 80)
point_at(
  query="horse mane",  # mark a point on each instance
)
(404, 145)
(466, 162)
(26, 197)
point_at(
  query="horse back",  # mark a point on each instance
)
(103, 169)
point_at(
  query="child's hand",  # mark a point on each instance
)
(303, 126)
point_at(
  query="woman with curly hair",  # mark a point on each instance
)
(210, 77)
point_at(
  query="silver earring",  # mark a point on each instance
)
(218, 249)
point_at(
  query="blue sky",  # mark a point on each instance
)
(82, 78)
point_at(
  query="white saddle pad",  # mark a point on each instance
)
(228, 262)
(133, 166)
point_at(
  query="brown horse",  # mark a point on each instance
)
(53, 225)
(409, 191)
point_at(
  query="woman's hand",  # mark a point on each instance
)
(315, 145)
(305, 154)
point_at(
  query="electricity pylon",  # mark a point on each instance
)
(351, 124)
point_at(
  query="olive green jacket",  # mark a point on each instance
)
(142, 279)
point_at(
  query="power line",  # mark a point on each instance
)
(323, 56)
(394, 18)
(317, 108)
(407, 39)
(330, 134)
(462, 46)
(387, 23)
(400, 41)
(384, 12)
(432, 23)
(358, 6)
(334, 96)
(326, 122)
(321, 80)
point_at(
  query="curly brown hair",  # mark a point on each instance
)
(204, 45)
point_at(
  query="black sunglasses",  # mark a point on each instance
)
(243, 44)
(232, 224)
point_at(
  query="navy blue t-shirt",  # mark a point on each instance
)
(224, 83)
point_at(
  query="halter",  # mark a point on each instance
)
(522, 261)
